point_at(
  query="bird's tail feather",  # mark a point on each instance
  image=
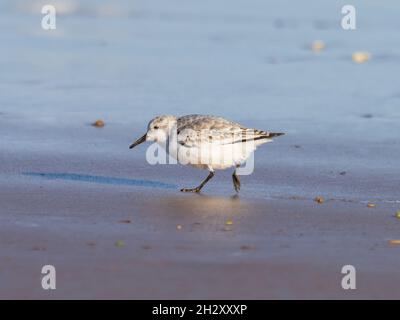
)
(268, 135)
(258, 135)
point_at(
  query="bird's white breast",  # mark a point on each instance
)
(213, 155)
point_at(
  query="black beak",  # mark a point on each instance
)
(138, 141)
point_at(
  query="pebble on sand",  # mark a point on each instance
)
(371, 205)
(317, 46)
(98, 124)
(395, 242)
(361, 57)
(179, 227)
(246, 247)
(319, 200)
(120, 244)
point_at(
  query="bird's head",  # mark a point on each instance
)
(158, 130)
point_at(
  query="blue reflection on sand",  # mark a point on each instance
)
(101, 180)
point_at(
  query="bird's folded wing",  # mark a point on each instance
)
(194, 138)
(200, 130)
(201, 122)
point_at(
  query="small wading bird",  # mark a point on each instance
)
(205, 142)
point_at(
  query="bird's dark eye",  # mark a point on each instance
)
(156, 127)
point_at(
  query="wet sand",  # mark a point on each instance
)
(274, 249)
(70, 210)
(76, 197)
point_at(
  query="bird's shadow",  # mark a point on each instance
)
(119, 182)
(101, 180)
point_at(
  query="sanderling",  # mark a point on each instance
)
(205, 142)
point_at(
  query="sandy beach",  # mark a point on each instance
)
(74, 196)
(72, 210)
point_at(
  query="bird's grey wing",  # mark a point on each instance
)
(201, 122)
(197, 130)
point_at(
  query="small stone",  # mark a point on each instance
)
(367, 116)
(361, 57)
(395, 242)
(229, 223)
(179, 227)
(98, 124)
(371, 205)
(318, 46)
(39, 248)
(319, 200)
(120, 244)
(245, 247)
(125, 221)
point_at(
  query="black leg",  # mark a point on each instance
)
(236, 181)
(197, 189)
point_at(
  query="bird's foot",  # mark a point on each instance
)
(191, 190)
(236, 182)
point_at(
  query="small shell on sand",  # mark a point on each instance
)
(319, 200)
(246, 247)
(317, 46)
(361, 57)
(371, 205)
(98, 124)
(395, 242)
(120, 244)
